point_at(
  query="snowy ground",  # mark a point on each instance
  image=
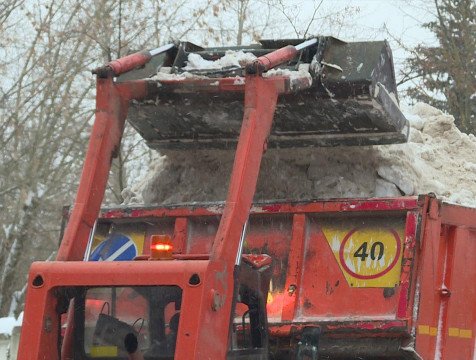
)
(438, 158)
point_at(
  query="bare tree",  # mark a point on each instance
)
(46, 110)
(43, 119)
(318, 17)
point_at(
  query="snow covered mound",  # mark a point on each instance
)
(438, 158)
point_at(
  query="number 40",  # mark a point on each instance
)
(363, 254)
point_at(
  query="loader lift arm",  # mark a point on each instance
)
(261, 95)
(215, 304)
(112, 101)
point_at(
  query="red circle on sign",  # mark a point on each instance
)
(374, 276)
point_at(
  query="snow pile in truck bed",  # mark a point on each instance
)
(438, 158)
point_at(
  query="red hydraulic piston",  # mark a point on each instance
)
(277, 57)
(130, 62)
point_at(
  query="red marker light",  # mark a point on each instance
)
(161, 247)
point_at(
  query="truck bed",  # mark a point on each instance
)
(380, 277)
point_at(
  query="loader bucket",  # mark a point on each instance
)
(352, 100)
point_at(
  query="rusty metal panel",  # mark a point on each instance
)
(304, 241)
(331, 292)
(446, 311)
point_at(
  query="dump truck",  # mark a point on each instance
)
(384, 278)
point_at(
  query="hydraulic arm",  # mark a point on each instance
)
(213, 300)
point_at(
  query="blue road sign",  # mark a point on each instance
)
(117, 247)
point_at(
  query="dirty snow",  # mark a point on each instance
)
(230, 59)
(165, 74)
(196, 62)
(438, 158)
(301, 72)
(334, 66)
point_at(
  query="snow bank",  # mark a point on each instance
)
(8, 323)
(438, 158)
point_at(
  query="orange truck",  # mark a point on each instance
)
(387, 278)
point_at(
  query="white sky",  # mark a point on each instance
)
(401, 19)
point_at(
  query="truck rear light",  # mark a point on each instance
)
(161, 247)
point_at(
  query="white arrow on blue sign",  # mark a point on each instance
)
(117, 247)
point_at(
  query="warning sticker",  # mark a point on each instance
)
(369, 254)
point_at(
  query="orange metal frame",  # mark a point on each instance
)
(446, 325)
(213, 311)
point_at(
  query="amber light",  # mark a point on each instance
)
(161, 247)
